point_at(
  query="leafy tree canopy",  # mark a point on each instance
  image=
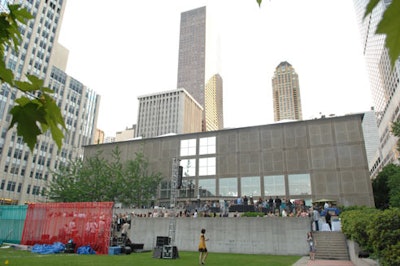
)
(96, 179)
(383, 191)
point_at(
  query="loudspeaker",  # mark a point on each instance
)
(167, 252)
(162, 240)
(170, 252)
(179, 181)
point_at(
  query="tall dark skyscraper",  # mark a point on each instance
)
(286, 93)
(198, 65)
(384, 79)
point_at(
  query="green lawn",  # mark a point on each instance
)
(10, 256)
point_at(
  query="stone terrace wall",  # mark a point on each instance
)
(262, 235)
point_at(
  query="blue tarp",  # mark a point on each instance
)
(85, 250)
(56, 247)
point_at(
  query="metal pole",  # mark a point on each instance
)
(174, 181)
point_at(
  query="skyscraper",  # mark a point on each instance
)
(25, 175)
(384, 80)
(286, 93)
(198, 65)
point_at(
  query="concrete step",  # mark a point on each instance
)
(331, 245)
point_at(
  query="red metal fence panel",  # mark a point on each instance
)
(86, 223)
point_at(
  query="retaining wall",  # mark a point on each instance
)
(262, 235)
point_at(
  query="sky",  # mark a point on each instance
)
(123, 49)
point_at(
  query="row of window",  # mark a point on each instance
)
(276, 185)
(12, 186)
(297, 184)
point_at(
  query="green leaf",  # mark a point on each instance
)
(4, 35)
(53, 111)
(18, 13)
(6, 75)
(370, 6)
(9, 22)
(259, 2)
(23, 101)
(53, 119)
(25, 86)
(390, 25)
(25, 116)
(34, 84)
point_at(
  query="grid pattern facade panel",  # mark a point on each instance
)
(192, 48)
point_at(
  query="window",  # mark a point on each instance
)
(188, 147)
(299, 184)
(228, 187)
(250, 186)
(207, 145)
(11, 185)
(189, 167)
(165, 189)
(35, 190)
(207, 187)
(274, 185)
(207, 166)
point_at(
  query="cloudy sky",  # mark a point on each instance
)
(123, 49)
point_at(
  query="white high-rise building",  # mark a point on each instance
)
(168, 112)
(371, 138)
(383, 79)
(25, 175)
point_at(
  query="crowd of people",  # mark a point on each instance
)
(268, 207)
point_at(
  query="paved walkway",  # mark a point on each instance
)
(305, 261)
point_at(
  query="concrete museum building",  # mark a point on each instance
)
(310, 160)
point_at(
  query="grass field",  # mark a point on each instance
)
(10, 256)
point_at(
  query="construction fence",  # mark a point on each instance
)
(85, 223)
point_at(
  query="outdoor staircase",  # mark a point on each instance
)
(331, 246)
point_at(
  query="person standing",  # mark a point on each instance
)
(316, 216)
(245, 200)
(124, 230)
(202, 247)
(311, 244)
(328, 219)
(278, 203)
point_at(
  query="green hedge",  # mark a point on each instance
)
(253, 214)
(377, 232)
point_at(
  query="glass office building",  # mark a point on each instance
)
(384, 80)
